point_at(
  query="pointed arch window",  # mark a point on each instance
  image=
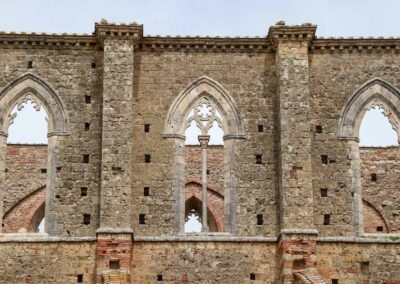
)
(382, 100)
(205, 116)
(30, 90)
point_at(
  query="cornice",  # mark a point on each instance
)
(105, 30)
(211, 44)
(281, 32)
(355, 45)
(24, 40)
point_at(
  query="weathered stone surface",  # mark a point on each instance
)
(288, 187)
(44, 262)
(199, 262)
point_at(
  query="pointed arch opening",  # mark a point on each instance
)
(374, 162)
(204, 115)
(30, 92)
(193, 210)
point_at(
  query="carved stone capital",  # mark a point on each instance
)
(281, 32)
(107, 30)
(204, 139)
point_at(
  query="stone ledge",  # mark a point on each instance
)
(298, 232)
(39, 238)
(372, 239)
(108, 230)
(222, 237)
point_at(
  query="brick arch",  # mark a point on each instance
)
(26, 212)
(373, 217)
(215, 202)
(210, 187)
(375, 92)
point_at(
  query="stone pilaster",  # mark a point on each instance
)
(116, 164)
(114, 237)
(297, 237)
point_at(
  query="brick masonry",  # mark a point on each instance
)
(292, 104)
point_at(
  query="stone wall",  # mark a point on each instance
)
(69, 70)
(334, 77)
(215, 163)
(24, 164)
(47, 262)
(159, 78)
(289, 175)
(203, 262)
(382, 194)
(359, 262)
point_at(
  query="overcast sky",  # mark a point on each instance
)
(205, 17)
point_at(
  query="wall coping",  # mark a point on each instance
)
(40, 238)
(134, 31)
(195, 237)
(368, 238)
(218, 237)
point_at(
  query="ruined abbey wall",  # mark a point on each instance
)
(292, 189)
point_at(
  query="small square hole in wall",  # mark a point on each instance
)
(147, 158)
(146, 191)
(252, 276)
(84, 191)
(258, 159)
(327, 219)
(87, 126)
(79, 278)
(364, 267)
(43, 171)
(208, 172)
(86, 219)
(299, 264)
(318, 129)
(142, 219)
(114, 264)
(58, 169)
(159, 277)
(88, 99)
(260, 128)
(260, 219)
(335, 281)
(324, 192)
(324, 159)
(379, 228)
(147, 128)
(86, 158)
(30, 64)
(374, 177)
(6, 170)
(93, 65)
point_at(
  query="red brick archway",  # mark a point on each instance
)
(27, 213)
(215, 201)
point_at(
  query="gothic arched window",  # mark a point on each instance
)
(204, 123)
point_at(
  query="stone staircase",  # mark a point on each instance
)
(306, 277)
(115, 277)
